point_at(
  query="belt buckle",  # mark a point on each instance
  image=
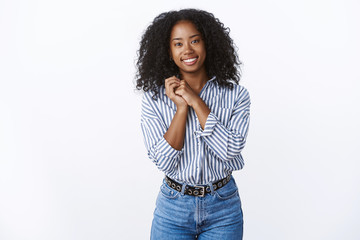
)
(200, 188)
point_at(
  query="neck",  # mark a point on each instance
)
(195, 80)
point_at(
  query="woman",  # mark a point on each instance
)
(195, 121)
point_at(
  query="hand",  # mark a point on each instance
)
(171, 84)
(186, 92)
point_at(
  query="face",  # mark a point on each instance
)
(187, 48)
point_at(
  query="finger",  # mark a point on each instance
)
(172, 81)
(172, 78)
(183, 83)
(179, 91)
(172, 85)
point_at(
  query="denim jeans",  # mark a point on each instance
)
(216, 216)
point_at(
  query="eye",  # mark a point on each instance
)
(195, 41)
(178, 44)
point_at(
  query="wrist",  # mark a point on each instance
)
(182, 109)
(196, 102)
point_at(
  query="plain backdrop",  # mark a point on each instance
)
(72, 159)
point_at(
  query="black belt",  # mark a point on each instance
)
(198, 191)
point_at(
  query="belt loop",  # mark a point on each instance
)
(183, 189)
(211, 188)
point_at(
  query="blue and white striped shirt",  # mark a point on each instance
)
(208, 154)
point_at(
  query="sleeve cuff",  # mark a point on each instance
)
(210, 124)
(165, 149)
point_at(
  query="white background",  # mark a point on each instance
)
(72, 160)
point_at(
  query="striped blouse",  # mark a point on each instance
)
(208, 154)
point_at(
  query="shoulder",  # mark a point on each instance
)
(150, 95)
(242, 91)
(243, 96)
(238, 91)
(159, 102)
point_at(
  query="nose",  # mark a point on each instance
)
(188, 49)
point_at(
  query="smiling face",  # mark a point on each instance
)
(187, 48)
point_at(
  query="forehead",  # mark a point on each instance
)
(183, 29)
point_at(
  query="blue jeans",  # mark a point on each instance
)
(216, 216)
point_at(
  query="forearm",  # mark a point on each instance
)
(176, 133)
(202, 111)
(226, 141)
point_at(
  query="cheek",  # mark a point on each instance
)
(175, 53)
(177, 62)
(176, 56)
(204, 54)
(202, 49)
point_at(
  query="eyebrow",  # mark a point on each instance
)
(192, 36)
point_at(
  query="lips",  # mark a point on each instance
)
(190, 61)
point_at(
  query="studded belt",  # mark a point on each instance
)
(197, 191)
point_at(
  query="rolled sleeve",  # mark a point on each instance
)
(210, 124)
(227, 141)
(159, 150)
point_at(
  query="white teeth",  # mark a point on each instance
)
(190, 60)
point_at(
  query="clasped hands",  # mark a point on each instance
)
(180, 92)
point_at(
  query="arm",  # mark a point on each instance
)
(164, 146)
(176, 133)
(228, 141)
(153, 128)
(202, 111)
(225, 141)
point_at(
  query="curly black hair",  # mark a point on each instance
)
(154, 64)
